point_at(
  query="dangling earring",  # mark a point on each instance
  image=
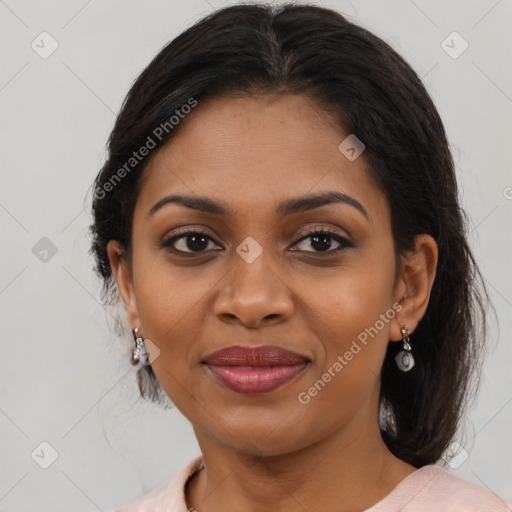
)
(139, 352)
(404, 358)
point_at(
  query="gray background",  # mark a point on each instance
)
(65, 376)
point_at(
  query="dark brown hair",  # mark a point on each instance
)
(373, 93)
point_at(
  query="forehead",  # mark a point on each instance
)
(250, 152)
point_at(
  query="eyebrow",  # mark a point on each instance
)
(286, 207)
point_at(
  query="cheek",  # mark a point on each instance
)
(353, 299)
(352, 313)
(164, 293)
(164, 302)
(173, 305)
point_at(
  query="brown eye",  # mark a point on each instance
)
(188, 242)
(321, 241)
(197, 242)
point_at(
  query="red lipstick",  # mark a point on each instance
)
(254, 370)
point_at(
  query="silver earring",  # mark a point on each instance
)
(404, 358)
(139, 352)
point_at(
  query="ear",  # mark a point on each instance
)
(414, 285)
(123, 276)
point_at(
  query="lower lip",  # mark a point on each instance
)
(251, 379)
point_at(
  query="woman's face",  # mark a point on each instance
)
(255, 279)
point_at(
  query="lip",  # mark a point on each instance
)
(255, 369)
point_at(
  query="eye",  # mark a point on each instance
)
(321, 240)
(193, 241)
(197, 241)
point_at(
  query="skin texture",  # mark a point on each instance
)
(269, 451)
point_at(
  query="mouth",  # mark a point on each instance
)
(255, 370)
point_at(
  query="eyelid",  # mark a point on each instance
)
(183, 233)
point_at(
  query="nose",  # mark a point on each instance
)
(254, 294)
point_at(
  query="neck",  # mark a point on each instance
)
(349, 470)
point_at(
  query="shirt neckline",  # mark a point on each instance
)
(197, 465)
(411, 477)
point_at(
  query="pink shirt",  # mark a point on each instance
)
(428, 489)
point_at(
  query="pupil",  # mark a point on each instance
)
(324, 238)
(195, 245)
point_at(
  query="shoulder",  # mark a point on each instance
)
(432, 488)
(169, 497)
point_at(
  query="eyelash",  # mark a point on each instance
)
(344, 243)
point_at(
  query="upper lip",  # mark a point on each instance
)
(266, 355)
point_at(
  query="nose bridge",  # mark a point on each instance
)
(253, 290)
(253, 271)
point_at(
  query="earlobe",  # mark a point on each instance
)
(123, 277)
(415, 284)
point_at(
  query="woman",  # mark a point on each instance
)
(279, 214)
